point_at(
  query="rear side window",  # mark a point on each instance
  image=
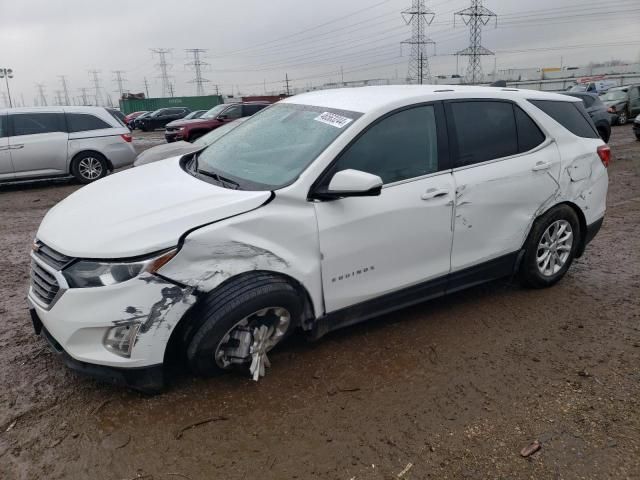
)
(3, 126)
(529, 134)
(82, 122)
(34, 123)
(399, 147)
(569, 115)
(484, 130)
(251, 109)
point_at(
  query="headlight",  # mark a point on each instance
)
(90, 273)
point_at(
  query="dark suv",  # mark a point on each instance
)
(189, 130)
(597, 111)
(623, 102)
(161, 117)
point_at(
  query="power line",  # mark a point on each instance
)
(164, 68)
(419, 17)
(41, 96)
(65, 89)
(119, 81)
(475, 16)
(198, 65)
(93, 76)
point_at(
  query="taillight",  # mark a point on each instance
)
(127, 137)
(604, 152)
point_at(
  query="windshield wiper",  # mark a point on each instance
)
(225, 182)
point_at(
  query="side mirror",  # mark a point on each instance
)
(352, 183)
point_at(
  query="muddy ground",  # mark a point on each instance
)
(453, 388)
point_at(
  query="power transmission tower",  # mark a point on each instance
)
(171, 89)
(197, 65)
(85, 101)
(419, 17)
(41, 96)
(286, 83)
(93, 75)
(120, 81)
(476, 16)
(59, 100)
(146, 86)
(65, 90)
(217, 90)
(164, 68)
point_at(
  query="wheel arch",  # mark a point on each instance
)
(173, 346)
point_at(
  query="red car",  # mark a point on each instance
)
(132, 116)
(189, 130)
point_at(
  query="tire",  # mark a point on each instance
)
(623, 118)
(531, 273)
(220, 312)
(88, 167)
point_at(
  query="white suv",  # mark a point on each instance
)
(321, 211)
(43, 142)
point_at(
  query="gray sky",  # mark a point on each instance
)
(255, 42)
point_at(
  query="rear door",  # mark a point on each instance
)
(504, 171)
(38, 143)
(634, 101)
(6, 167)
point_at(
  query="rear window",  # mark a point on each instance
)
(529, 134)
(83, 122)
(570, 115)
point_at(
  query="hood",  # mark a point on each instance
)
(166, 150)
(139, 211)
(204, 121)
(181, 122)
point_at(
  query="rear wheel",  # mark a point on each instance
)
(89, 167)
(239, 323)
(550, 248)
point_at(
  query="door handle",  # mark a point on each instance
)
(541, 166)
(434, 193)
(16, 147)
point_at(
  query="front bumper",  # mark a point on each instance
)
(80, 318)
(173, 136)
(148, 379)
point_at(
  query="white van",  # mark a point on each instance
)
(320, 211)
(43, 142)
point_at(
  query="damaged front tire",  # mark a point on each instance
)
(236, 325)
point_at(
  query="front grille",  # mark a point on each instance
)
(49, 256)
(44, 285)
(172, 129)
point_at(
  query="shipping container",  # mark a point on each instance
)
(149, 104)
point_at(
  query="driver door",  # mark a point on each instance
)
(372, 246)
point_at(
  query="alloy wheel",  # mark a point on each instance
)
(90, 168)
(554, 248)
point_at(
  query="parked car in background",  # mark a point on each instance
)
(636, 127)
(598, 87)
(623, 103)
(195, 114)
(128, 119)
(161, 117)
(597, 111)
(135, 123)
(324, 210)
(173, 149)
(86, 142)
(190, 130)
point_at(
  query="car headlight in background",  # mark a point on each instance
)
(90, 273)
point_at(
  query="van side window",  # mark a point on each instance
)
(82, 122)
(401, 146)
(484, 130)
(529, 134)
(3, 126)
(570, 115)
(34, 123)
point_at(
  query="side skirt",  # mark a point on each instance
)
(500, 267)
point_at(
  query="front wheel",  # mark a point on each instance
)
(623, 118)
(89, 167)
(550, 248)
(235, 326)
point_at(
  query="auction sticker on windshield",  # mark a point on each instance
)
(333, 119)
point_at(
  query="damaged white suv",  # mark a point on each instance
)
(321, 211)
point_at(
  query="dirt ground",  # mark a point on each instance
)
(451, 389)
